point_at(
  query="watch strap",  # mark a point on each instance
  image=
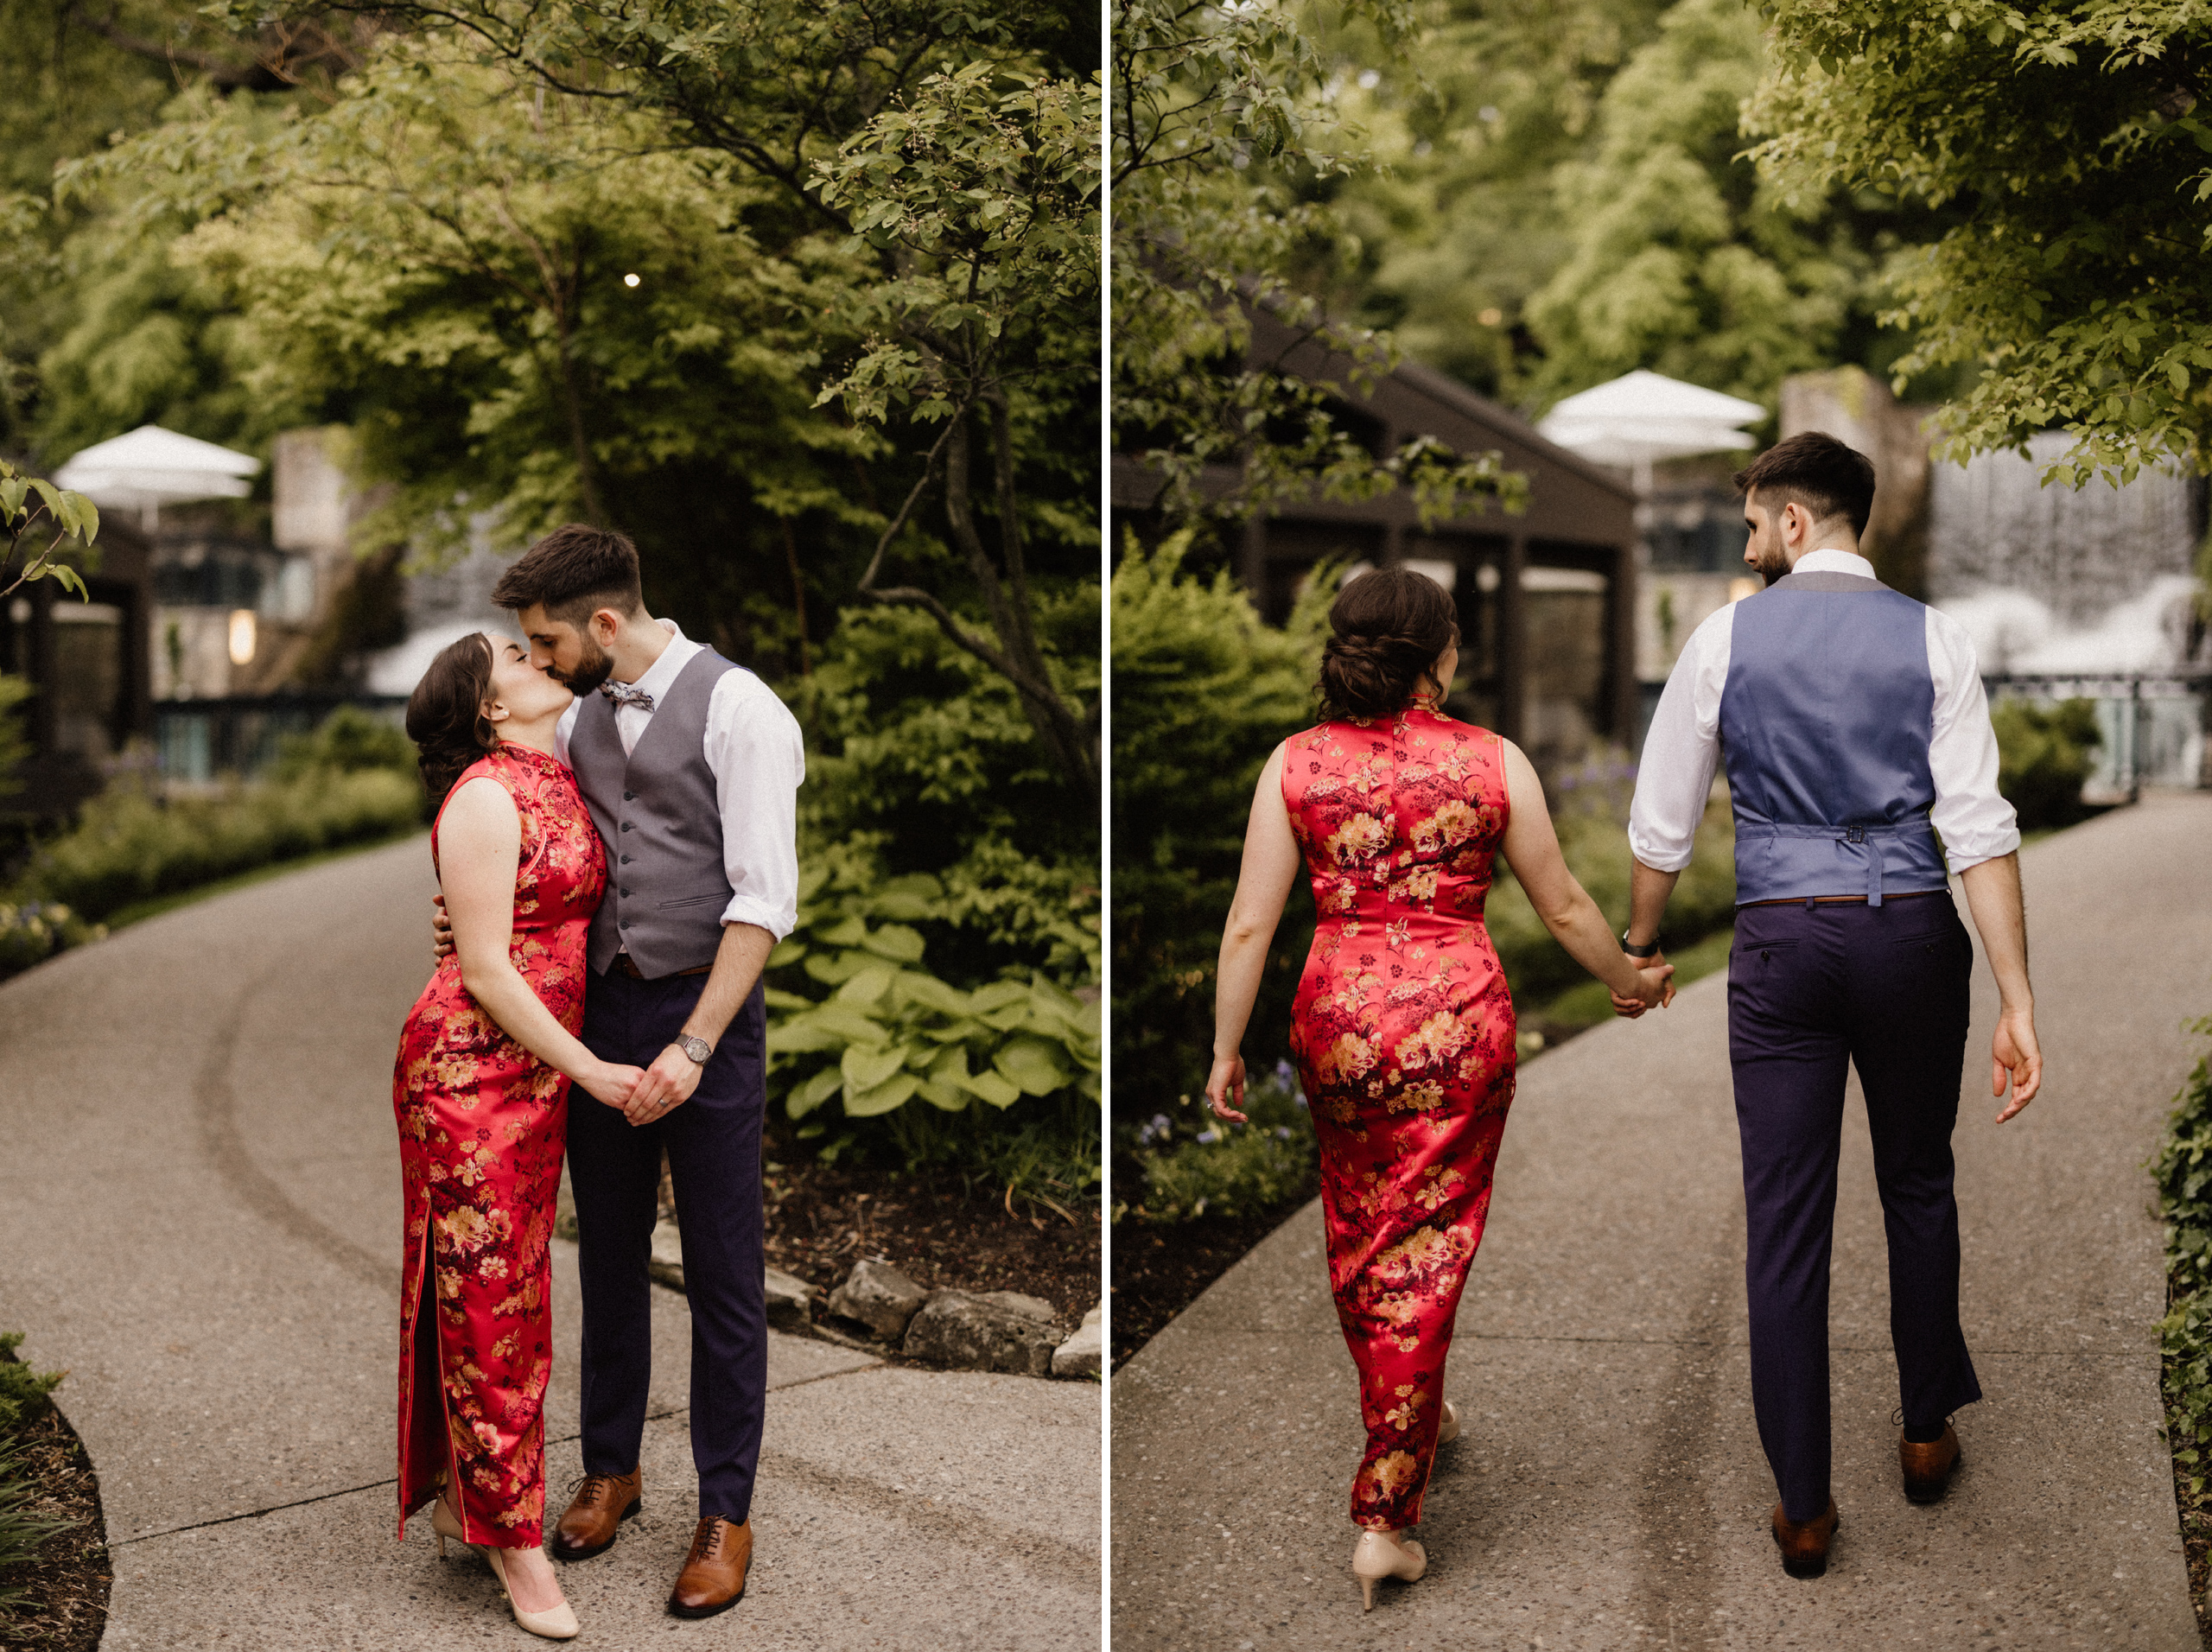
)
(1648, 950)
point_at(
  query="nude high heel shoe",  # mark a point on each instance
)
(446, 1524)
(1448, 1426)
(558, 1624)
(1380, 1555)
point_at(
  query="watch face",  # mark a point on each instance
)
(697, 1049)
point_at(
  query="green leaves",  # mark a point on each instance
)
(888, 1032)
(28, 502)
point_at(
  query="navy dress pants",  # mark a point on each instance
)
(714, 1160)
(1811, 987)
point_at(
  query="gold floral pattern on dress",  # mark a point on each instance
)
(482, 1123)
(1402, 1030)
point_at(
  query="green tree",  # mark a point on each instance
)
(2070, 146)
(1204, 690)
(1223, 130)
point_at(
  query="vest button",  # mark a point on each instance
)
(629, 797)
(626, 859)
(625, 825)
(625, 895)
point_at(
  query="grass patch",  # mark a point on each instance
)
(139, 911)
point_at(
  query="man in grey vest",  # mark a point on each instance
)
(1860, 756)
(690, 767)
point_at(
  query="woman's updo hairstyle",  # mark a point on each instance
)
(1387, 627)
(445, 714)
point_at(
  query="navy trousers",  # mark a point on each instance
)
(714, 1158)
(1811, 987)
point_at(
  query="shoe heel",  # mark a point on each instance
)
(442, 1545)
(1367, 1592)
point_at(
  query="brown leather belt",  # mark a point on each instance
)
(1839, 900)
(628, 966)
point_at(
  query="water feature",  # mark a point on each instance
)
(2085, 592)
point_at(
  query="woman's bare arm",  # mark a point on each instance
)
(1531, 849)
(480, 845)
(1264, 884)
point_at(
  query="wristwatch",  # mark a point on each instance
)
(1645, 951)
(697, 1049)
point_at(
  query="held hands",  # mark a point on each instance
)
(440, 930)
(666, 1085)
(2013, 1054)
(1225, 1088)
(1654, 989)
(610, 1082)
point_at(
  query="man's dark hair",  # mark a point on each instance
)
(572, 573)
(1816, 471)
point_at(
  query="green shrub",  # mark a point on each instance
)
(1196, 1164)
(1589, 809)
(129, 844)
(349, 740)
(14, 744)
(34, 931)
(2184, 1178)
(23, 1391)
(23, 1399)
(2043, 756)
(1203, 690)
(937, 1003)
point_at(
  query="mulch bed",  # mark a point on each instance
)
(1161, 1270)
(939, 1230)
(64, 1607)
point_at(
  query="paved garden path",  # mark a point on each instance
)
(199, 1214)
(1608, 1490)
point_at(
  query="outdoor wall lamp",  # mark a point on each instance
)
(242, 636)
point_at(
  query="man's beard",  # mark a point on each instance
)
(1768, 560)
(594, 669)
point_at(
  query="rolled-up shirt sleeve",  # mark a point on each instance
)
(758, 761)
(1673, 777)
(1969, 814)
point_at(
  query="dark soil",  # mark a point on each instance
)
(1161, 1270)
(939, 1230)
(64, 1608)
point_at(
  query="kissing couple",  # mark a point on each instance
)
(1860, 757)
(616, 850)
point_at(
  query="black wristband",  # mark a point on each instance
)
(1643, 951)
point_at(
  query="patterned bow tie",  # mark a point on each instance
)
(627, 694)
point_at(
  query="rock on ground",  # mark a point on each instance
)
(879, 1297)
(959, 1328)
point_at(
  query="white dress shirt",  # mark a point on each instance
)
(755, 751)
(1675, 775)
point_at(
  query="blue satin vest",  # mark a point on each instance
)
(1825, 725)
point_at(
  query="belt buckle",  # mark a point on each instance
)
(1854, 834)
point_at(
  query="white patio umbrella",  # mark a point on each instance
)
(150, 467)
(1643, 417)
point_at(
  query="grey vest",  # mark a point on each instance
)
(656, 813)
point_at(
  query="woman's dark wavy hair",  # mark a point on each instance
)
(445, 714)
(1386, 628)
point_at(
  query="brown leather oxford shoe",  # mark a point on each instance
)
(596, 1515)
(1805, 1545)
(1927, 1469)
(713, 1579)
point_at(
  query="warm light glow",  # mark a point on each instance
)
(629, 280)
(1738, 589)
(242, 637)
(1492, 317)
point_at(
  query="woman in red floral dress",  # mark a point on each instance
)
(481, 1089)
(1401, 1028)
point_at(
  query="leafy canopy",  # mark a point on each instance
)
(2072, 145)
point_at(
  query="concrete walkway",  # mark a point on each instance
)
(199, 1212)
(1608, 1490)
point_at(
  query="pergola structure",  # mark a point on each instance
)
(1546, 599)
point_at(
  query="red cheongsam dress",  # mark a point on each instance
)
(482, 1123)
(1402, 1032)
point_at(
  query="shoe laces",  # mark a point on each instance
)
(707, 1541)
(592, 1488)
